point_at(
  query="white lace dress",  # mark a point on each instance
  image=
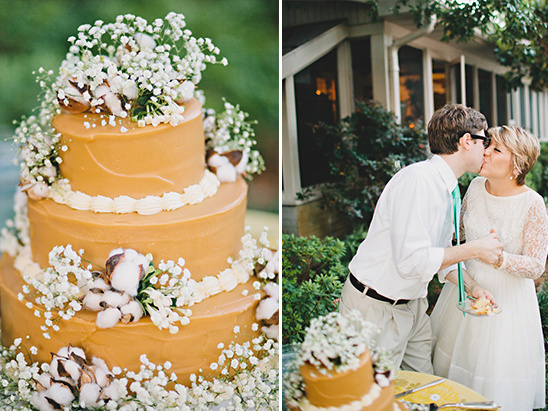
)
(502, 356)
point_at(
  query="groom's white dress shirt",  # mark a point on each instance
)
(411, 226)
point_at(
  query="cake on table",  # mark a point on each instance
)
(128, 279)
(339, 368)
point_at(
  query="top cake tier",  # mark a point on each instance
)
(140, 162)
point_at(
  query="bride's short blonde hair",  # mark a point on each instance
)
(524, 147)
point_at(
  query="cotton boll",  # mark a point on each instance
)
(267, 308)
(99, 284)
(60, 393)
(185, 91)
(104, 378)
(93, 301)
(63, 352)
(116, 251)
(108, 318)
(39, 401)
(242, 165)
(115, 299)
(126, 277)
(227, 174)
(102, 91)
(43, 381)
(217, 161)
(272, 331)
(72, 351)
(144, 41)
(90, 393)
(73, 369)
(130, 90)
(273, 264)
(114, 104)
(272, 289)
(56, 367)
(131, 312)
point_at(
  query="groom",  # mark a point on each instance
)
(409, 240)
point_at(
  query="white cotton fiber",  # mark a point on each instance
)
(272, 331)
(108, 317)
(115, 299)
(61, 394)
(267, 308)
(89, 394)
(272, 289)
(134, 309)
(92, 301)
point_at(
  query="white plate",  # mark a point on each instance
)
(469, 310)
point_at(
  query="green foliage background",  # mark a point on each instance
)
(33, 34)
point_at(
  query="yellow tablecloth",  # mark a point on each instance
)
(446, 392)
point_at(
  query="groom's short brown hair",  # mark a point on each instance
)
(449, 124)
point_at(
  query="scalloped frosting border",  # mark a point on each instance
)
(368, 399)
(62, 193)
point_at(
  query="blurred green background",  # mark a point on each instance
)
(33, 34)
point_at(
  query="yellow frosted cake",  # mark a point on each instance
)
(338, 369)
(127, 256)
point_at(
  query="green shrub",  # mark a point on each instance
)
(364, 150)
(313, 276)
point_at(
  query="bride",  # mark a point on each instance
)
(501, 356)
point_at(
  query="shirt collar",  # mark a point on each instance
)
(445, 171)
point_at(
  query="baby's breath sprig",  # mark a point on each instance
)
(336, 342)
(27, 385)
(230, 132)
(165, 294)
(130, 68)
(59, 290)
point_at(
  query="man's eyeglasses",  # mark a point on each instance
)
(486, 139)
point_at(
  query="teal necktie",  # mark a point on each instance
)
(456, 222)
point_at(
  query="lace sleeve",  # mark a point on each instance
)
(532, 261)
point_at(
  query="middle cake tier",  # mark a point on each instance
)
(205, 234)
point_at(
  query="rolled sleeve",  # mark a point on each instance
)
(417, 255)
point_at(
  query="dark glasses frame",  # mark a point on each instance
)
(486, 139)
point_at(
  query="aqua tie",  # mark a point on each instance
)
(456, 222)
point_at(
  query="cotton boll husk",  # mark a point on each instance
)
(108, 317)
(38, 400)
(115, 299)
(92, 301)
(267, 308)
(90, 393)
(134, 309)
(272, 289)
(54, 366)
(272, 331)
(44, 380)
(242, 165)
(76, 351)
(60, 394)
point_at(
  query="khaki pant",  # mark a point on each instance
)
(404, 328)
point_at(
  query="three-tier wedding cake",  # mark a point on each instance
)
(128, 251)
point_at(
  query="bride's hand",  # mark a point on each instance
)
(477, 292)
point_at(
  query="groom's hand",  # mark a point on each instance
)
(488, 248)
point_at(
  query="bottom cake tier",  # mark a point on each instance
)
(215, 322)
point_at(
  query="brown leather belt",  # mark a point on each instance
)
(372, 293)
